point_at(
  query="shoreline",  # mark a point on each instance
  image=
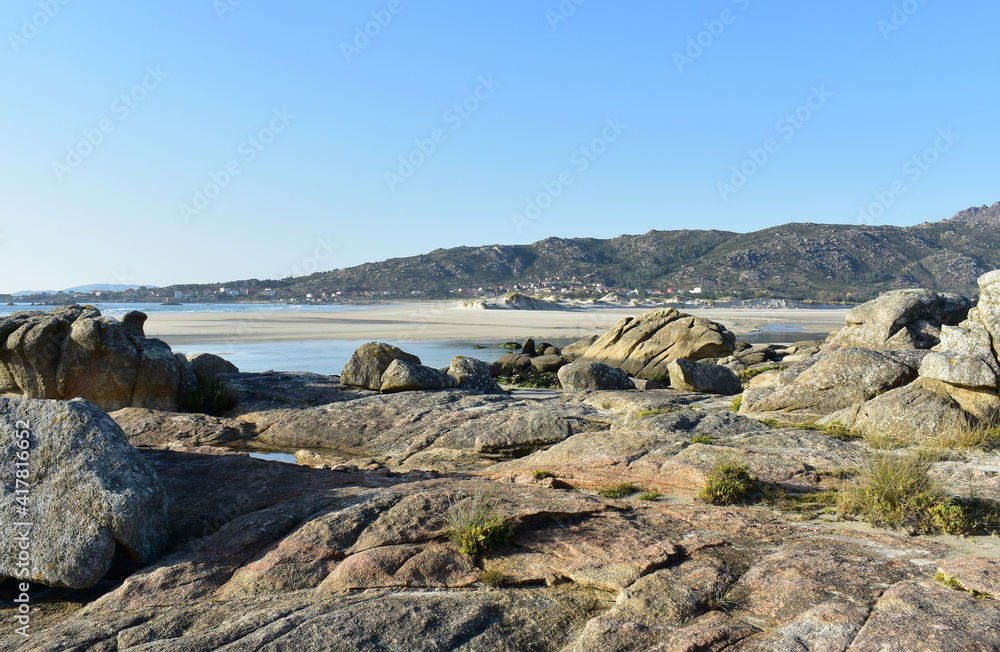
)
(442, 321)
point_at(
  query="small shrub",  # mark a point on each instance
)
(618, 490)
(748, 374)
(476, 526)
(493, 578)
(728, 482)
(737, 402)
(541, 474)
(211, 396)
(719, 600)
(951, 517)
(702, 439)
(652, 494)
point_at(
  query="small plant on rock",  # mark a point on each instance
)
(493, 578)
(728, 482)
(650, 413)
(652, 494)
(541, 474)
(737, 402)
(619, 490)
(476, 525)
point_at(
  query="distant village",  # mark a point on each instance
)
(259, 292)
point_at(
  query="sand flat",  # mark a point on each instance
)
(443, 321)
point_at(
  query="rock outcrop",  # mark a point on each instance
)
(902, 319)
(326, 560)
(403, 376)
(643, 346)
(896, 386)
(690, 376)
(366, 366)
(582, 376)
(840, 380)
(74, 352)
(209, 364)
(473, 375)
(84, 492)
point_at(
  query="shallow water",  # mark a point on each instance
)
(287, 458)
(329, 356)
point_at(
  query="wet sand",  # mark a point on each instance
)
(443, 321)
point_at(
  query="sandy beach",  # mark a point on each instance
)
(443, 321)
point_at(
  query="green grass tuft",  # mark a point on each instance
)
(728, 482)
(493, 578)
(654, 412)
(541, 474)
(652, 494)
(748, 374)
(476, 525)
(620, 490)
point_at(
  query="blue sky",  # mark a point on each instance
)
(204, 141)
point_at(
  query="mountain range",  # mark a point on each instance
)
(795, 261)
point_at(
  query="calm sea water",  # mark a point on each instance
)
(330, 356)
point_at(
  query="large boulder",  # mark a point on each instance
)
(584, 376)
(87, 493)
(473, 375)
(74, 352)
(844, 378)
(902, 319)
(917, 411)
(577, 349)
(691, 376)
(547, 363)
(643, 346)
(369, 362)
(403, 376)
(209, 364)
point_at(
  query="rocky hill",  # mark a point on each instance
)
(793, 261)
(980, 215)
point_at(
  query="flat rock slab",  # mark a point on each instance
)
(974, 574)
(911, 616)
(274, 390)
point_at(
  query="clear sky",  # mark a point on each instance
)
(206, 141)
